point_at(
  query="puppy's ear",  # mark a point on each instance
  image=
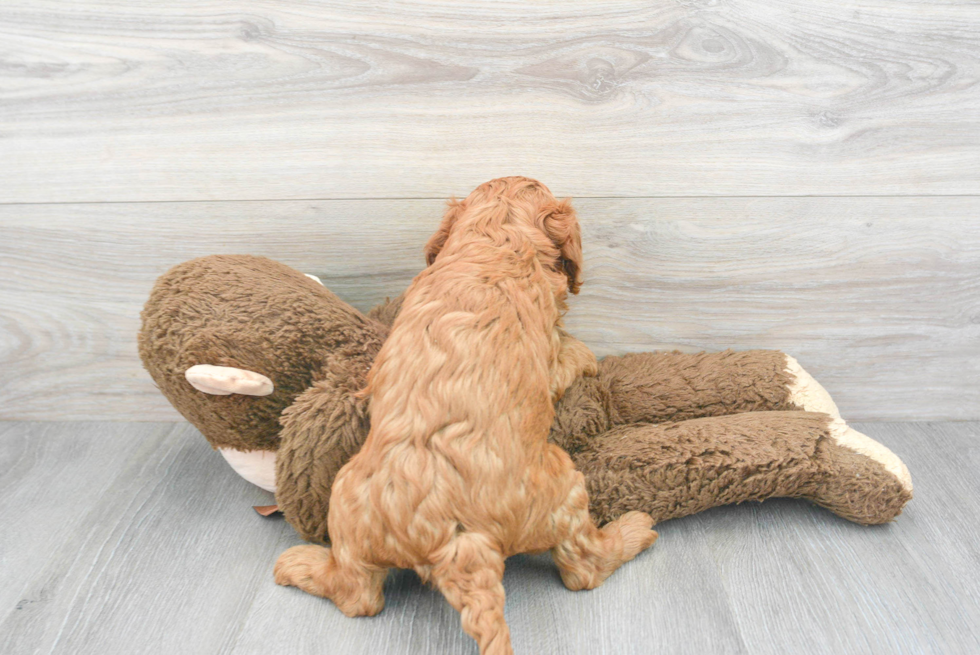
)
(561, 225)
(438, 240)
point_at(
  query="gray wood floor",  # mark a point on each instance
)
(136, 538)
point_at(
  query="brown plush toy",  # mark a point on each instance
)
(265, 361)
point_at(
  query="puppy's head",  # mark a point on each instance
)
(527, 206)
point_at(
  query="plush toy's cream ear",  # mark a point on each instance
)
(438, 240)
(226, 380)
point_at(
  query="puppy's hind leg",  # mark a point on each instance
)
(469, 572)
(587, 555)
(354, 587)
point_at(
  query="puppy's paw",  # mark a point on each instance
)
(635, 528)
(580, 359)
(591, 367)
(301, 565)
(574, 360)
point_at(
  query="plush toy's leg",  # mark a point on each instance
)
(660, 387)
(355, 588)
(676, 469)
(469, 573)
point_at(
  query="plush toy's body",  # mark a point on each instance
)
(669, 434)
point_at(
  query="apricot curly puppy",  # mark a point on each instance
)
(456, 473)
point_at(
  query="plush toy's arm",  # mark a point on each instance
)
(386, 312)
(324, 427)
(677, 469)
(662, 387)
(673, 386)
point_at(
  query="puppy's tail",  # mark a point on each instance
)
(469, 572)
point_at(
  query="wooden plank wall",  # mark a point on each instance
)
(801, 175)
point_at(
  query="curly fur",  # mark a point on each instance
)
(456, 473)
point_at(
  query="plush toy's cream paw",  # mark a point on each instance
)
(226, 380)
(848, 437)
(314, 278)
(808, 394)
(256, 466)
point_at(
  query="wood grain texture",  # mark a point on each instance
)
(879, 298)
(158, 560)
(812, 584)
(42, 499)
(205, 100)
(162, 553)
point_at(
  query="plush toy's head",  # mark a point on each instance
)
(249, 313)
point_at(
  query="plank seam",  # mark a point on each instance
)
(400, 198)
